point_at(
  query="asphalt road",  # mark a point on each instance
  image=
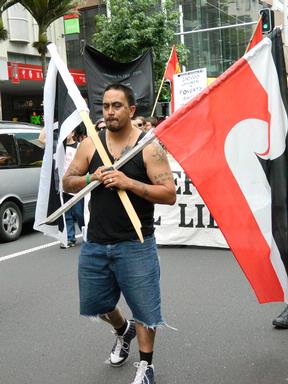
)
(224, 336)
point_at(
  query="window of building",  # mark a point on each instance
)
(247, 5)
(238, 4)
(24, 59)
(18, 23)
(219, 48)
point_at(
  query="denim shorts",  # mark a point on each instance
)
(106, 270)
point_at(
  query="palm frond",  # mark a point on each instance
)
(47, 11)
(4, 4)
(3, 31)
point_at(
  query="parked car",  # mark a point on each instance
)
(21, 156)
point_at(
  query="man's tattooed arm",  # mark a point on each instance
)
(161, 178)
(158, 154)
(141, 188)
(162, 188)
(74, 180)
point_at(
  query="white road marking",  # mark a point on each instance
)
(24, 252)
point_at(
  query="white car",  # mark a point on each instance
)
(21, 156)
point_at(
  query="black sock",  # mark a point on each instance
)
(120, 331)
(146, 356)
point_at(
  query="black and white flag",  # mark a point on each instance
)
(137, 74)
(62, 106)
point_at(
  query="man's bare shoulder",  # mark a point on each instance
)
(154, 152)
(87, 147)
(87, 142)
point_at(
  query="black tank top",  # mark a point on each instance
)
(109, 222)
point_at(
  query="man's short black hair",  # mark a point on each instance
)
(129, 94)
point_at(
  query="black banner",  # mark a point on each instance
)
(102, 71)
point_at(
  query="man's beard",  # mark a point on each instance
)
(113, 128)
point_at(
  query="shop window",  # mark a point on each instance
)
(18, 23)
(30, 150)
(7, 151)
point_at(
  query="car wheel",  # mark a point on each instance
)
(10, 221)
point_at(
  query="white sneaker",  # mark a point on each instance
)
(121, 347)
(144, 374)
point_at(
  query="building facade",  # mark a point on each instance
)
(21, 79)
(216, 32)
(212, 32)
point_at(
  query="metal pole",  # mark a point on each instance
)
(147, 139)
(216, 28)
(221, 41)
(108, 9)
(285, 21)
(0, 107)
(181, 22)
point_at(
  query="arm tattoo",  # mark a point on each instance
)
(73, 171)
(144, 189)
(159, 154)
(69, 183)
(162, 177)
(145, 192)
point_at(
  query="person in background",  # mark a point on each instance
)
(151, 122)
(113, 260)
(80, 133)
(134, 123)
(141, 122)
(76, 212)
(100, 124)
(42, 136)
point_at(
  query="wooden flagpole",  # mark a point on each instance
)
(161, 85)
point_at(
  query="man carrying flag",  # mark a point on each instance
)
(113, 261)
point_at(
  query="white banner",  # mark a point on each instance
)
(187, 85)
(189, 221)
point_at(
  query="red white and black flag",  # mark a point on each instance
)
(172, 68)
(231, 140)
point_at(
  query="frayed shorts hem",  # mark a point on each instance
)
(159, 325)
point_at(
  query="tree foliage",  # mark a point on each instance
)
(136, 26)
